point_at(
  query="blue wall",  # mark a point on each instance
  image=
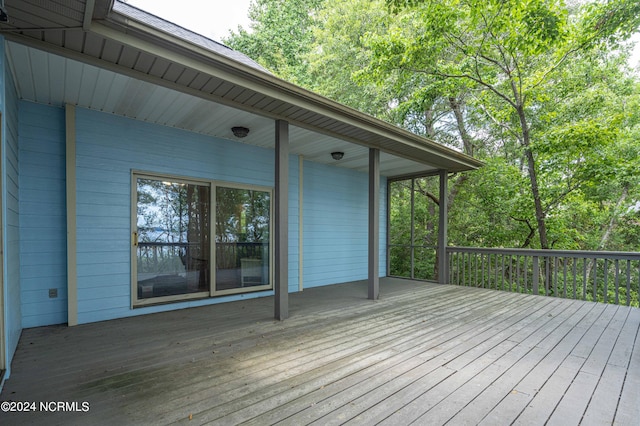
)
(43, 226)
(335, 225)
(108, 148)
(11, 210)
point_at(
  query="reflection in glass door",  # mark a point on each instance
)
(172, 238)
(242, 238)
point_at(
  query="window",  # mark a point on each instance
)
(175, 243)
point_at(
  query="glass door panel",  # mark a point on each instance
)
(242, 238)
(173, 243)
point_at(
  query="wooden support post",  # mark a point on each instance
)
(281, 221)
(443, 263)
(374, 224)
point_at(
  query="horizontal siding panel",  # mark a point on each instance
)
(108, 149)
(105, 281)
(88, 306)
(90, 270)
(105, 257)
(32, 288)
(336, 225)
(36, 320)
(36, 256)
(98, 226)
(101, 198)
(96, 293)
(95, 247)
(40, 182)
(103, 209)
(45, 271)
(40, 235)
(42, 196)
(93, 182)
(116, 234)
(42, 214)
(39, 308)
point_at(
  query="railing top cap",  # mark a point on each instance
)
(549, 253)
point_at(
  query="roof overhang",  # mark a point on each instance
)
(127, 49)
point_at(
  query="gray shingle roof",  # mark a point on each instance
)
(177, 31)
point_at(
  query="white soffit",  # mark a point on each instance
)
(53, 80)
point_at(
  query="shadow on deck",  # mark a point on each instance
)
(423, 353)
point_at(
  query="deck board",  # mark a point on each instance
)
(424, 353)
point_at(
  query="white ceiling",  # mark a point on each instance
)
(55, 80)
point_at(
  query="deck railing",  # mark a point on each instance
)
(609, 277)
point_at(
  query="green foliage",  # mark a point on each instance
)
(538, 89)
(280, 36)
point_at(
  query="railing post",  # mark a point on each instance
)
(536, 274)
(443, 267)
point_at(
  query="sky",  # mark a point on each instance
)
(210, 18)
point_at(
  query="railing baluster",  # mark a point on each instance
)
(555, 276)
(502, 272)
(628, 282)
(482, 256)
(606, 281)
(536, 274)
(617, 280)
(495, 279)
(525, 265)
(547, 275)
(575, 271)
(518, 274)
(464, 281)
(595, 280)
(584, 278)
(564, 278)
(475, 283)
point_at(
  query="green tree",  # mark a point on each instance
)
(506, 51)
(279, 37)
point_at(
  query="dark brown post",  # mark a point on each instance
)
(443, 261)
(281, 284)
(374, 223)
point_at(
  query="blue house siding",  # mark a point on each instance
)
(294, 222)
(108, 147)
(43, 233)
(383, 227)
(11, 210)
(336, 225)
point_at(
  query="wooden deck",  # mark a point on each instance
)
(424, 354)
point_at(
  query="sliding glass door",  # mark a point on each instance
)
(181, 228)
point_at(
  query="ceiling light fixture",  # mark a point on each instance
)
(240, 132)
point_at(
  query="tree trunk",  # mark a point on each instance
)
(608, 231)
(429, 122)
(467, 142)
(614, 218)
(533, 179)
